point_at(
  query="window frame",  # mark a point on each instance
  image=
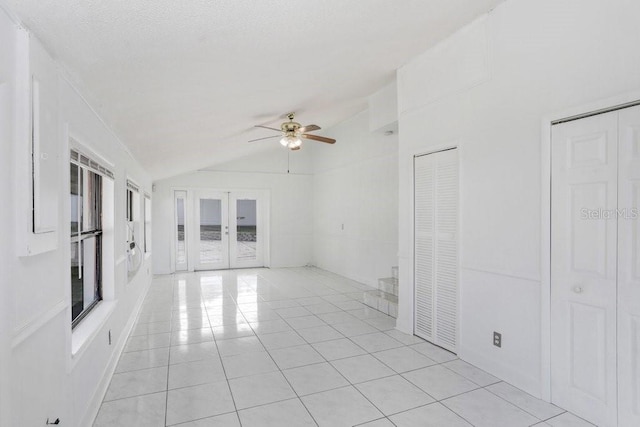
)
(90, 198)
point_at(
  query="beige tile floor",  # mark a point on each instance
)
(295, 347)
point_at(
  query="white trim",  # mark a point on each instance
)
(12, 16)
(545, 225)
(545, 263)
(503, 273)
(34, 324)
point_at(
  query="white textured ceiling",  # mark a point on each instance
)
(183, 82)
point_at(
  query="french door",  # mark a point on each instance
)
(229, 230)
(595, 267)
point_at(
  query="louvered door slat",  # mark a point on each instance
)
(424, 223)
(446, 249)
(436, 248)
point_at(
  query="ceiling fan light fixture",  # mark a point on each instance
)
(291, 141)
(293, 133)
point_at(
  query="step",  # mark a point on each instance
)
(388, 285)
(382, 301)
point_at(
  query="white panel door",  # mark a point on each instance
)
(212, 235)
(629, 268)
(583, 267)
(436, 248)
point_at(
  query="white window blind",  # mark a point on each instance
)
(82, 160)
(133, 186)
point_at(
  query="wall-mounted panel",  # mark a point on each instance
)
(38, 163)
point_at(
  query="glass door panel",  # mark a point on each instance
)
(246, 230)
(181, 230)
(245, 226)
(212, 239)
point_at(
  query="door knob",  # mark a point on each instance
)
(577, 289)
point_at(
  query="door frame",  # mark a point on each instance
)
(548, 120)
(265, 195)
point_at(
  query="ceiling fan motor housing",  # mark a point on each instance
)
(290, 127)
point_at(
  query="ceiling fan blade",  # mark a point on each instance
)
(319, 138)
(267, 127)
(309, 128)
(266, 137)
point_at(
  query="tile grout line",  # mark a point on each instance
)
(289, 383)
(311, 344)
(518, 406)
(166, 401)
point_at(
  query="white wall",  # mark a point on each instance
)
(291, 195)
(40, 377)
(355, 205)
(7, 129)
(487, 89)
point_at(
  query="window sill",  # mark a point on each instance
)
(84, 333)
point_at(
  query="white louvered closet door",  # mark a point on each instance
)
(436, 248)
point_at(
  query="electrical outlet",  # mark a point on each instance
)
(497, 339)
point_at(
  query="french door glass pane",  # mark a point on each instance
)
(181, 249)
(210, 231)
(246, 229)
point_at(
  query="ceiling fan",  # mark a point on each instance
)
(292, 134)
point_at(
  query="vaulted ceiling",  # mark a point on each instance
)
(183, 82)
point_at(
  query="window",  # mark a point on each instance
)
(134, 241)
(147, 223)
(86, 182)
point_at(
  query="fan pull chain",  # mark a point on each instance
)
(288, 153)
